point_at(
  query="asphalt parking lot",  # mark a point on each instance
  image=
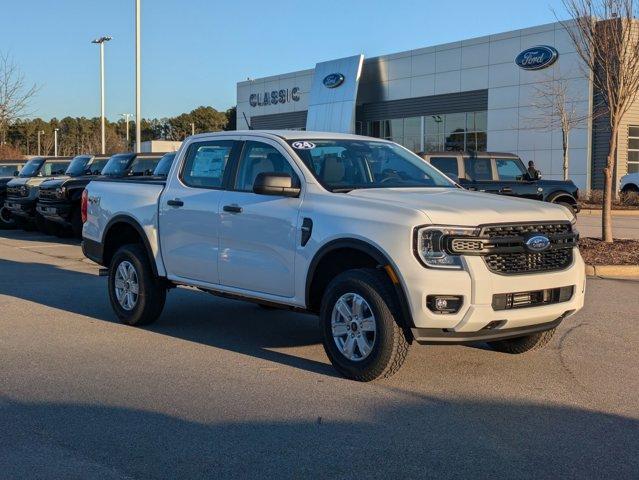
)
(223, 389)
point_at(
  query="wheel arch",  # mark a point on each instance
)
(354, 253)
(123, 229)
(563, 195)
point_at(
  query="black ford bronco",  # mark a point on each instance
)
(503, 174)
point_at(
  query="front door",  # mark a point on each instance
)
(258, 233)
(512, 176)
(189, 212)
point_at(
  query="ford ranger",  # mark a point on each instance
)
(387, 250)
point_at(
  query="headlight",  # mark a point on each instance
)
(429, 245)
(59, 192)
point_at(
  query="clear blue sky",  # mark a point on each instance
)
(194, 51)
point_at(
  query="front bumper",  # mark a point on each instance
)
(58, 212)
(21, 207)
(477, 285)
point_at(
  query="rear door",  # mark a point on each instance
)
(189, 211)
(258, 232)
(449, 165)
(478, 175)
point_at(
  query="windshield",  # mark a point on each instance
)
(344, 165)
(9, 170)
(118, 164)
(144, 166)
(78, 165)
(96, 165)
(164, 165)
(32, 167)
(54, 168)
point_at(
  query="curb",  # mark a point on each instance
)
(613, 271)
(615, 213)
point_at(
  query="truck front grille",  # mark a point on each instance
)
(18, 192)
(505, 251)
(515, 259)
(48, 194)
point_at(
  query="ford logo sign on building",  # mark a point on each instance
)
(538, 243)
(333, 80)
(536, 58)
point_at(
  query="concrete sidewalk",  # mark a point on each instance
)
(623, 226)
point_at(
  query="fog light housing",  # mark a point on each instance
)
(444, 304)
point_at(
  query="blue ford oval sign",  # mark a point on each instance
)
(333, 80)
(538, 243)
(536, 58)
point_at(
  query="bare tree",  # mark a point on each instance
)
(604, 33)
(558, 110)
(15, 94)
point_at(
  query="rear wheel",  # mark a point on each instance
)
(361, 326)
(525, 344)
(137, 296)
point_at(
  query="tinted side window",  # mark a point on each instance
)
(448, 165)
(259, 158)
(478, 169)
(508, 169)
(206, 163)
(143, 165)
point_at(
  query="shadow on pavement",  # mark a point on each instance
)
(418, 438)
(189, 315)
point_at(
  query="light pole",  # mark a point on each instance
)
(138, 73)
(55, 142)
(100, 41)
(126, 120)
(40, 132)
(192, 128)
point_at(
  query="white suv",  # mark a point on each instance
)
(385, 248)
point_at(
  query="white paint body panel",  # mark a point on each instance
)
(260, 255)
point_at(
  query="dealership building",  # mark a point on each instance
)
(480, 94)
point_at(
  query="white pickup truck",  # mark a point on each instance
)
(385, 248)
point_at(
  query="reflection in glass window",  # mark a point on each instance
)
(633, 149)
(509, 169)
(478, 169)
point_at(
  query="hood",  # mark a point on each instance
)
(54, 182)
(30, 181)
(556, 183)
(455, 206)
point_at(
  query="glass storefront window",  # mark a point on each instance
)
(633, 149)
(445, 132)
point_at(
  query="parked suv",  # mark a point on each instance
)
(630, 183)
(59, 198)
(9, 169)
(383, 247)
(22, 191)
(504, 174)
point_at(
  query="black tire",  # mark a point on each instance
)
(76, 223)
(529, 343)
(391, 343)
(6, 220)
(151, 290)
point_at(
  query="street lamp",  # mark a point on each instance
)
(126, 120)
(100, 41)
(138, 73)
(55, 142)
(40, 132)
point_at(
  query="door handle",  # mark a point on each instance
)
(232, 208)
(506, 190)
(176, 202)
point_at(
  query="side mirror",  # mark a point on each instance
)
(16, 173)
(278, 184)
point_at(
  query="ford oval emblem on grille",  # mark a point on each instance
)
(333, 80)
(538, 243)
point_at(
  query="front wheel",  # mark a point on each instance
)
(361, 326)
(525, 344)
(136, 294)
(6, 220)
